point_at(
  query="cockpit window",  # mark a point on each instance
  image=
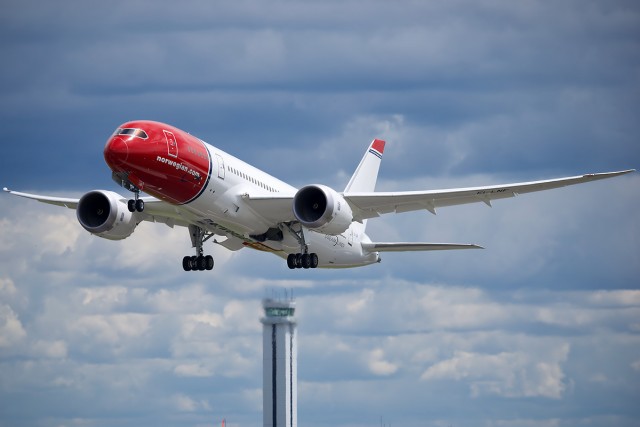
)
(138, 133)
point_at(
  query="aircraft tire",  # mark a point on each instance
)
(302, 261)
(131, 205)
(186, 263)
(208, 262)
(201, 263)
(305, 260)
(291, 261)
(139, 205)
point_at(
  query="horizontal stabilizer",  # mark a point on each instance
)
(407, 247)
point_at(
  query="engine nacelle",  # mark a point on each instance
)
(322, 209)
(104, 214)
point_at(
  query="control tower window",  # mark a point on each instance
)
(279, 311)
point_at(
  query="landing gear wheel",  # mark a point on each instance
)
(186, 263)
(291, 261)
(131, 205)
(139, 204)
(302, 261)
(208, 260)
(305, 261)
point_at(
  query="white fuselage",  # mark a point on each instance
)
(221, 208)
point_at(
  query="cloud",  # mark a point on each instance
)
(508, 374)
(186, 404)
(11, 330)
(378, 365)
(193, 370)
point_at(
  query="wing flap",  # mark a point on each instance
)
(414, 247)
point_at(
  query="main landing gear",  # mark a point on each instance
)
(199, 262)
(304, 259)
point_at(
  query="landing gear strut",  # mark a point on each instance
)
(304, 259)
(199, 262)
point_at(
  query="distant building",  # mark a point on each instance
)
(279, 364)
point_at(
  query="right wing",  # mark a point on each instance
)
(374, 204)
(154, 210)
(58, 201)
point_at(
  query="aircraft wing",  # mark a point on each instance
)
(58, 201)
(154, 210)
(277, 209)
(374, 204)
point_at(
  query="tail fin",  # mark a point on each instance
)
(365, 177)
(366, 174)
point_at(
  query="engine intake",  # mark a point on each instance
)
(322, 209)
(104, 214)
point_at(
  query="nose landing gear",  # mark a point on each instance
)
(135, 205)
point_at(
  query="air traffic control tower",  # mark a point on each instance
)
(279, 364)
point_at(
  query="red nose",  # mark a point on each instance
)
(116, 152)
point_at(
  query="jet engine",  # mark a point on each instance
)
(105, 214)
(322, 209)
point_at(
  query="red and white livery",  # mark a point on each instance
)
(213, 194)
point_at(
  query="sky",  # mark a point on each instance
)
(540, 329)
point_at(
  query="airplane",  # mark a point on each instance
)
(216, 195)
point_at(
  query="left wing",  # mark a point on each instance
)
(371, 205)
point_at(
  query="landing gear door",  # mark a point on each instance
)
(220, 166)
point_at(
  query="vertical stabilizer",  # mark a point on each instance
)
(365, 177)
(366, 174)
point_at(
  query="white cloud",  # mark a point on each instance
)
(378, 365)
(193, 370)
(11, 330)
(509, 374)
(111, 329)
(51, 349)
(7, 287)
(187, 404)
